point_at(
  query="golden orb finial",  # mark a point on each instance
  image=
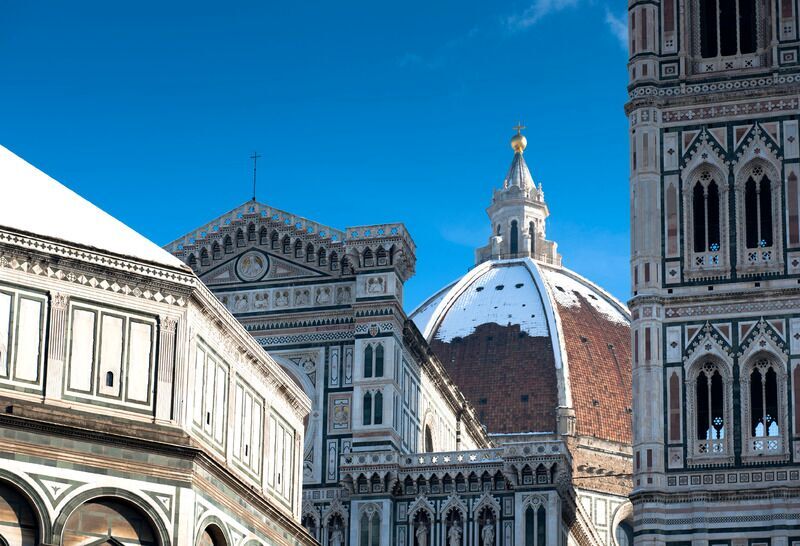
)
(518, 141)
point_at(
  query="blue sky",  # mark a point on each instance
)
(364, 112)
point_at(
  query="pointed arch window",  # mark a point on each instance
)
(758, 210)
(368, 258)
(532, 235)
(286, 244)
(309, 252)
(298, 248)
(204, 260)
(373, 360)
(228, 244)
(216, 253)
(370, 528)
(513, 241)
(263, 236)
(378, 411)
(766, 422)
(239, 237)
(251, 232)
(322, 257)
(535, 525)
(710, 410)
(705, 209)
(379, 361)
(367, 410)
(368, 356)
(334, 261)
(273, 240)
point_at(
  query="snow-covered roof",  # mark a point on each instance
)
(35, 203)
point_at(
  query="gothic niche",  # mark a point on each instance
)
(455, 527)
(422, 529)
(486, 524)
(336, 530)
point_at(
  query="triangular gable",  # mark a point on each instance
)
(720, 134)
(739, 134)
(705, 150)
(724, 330)
(708, 341)
(762, 337)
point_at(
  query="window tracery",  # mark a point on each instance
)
(705, 202)
(709, 396)
(370, 527)
(765, 408)
(759, 226)
(728, 34)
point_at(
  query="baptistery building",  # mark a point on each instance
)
(498, 413)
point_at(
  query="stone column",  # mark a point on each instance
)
(56, 345)
(166, 367)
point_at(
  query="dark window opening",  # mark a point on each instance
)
(764, 401)
(699, 217)
(708, 28)
(514, 238)
(368, 361)
(379, 361)
(378, 408)
(109, 379)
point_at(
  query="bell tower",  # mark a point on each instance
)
(715, 265)
(518, 213)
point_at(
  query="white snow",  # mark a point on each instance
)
(35, 203)
(503, 294)
(565, 289)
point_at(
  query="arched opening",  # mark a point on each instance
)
(263, 236)
(532, 235)
(709, 393)
(273, 240)
(368, 258)
(513, 240)
(310, 252)
(286, 244)
(115, 520)
(367, 410)
(322, 257)
(211, 536)
(336, 530)
(378, 408)
(310, 524)
(19, 523)
(368, 361)
(428, 439)
(216, 251)
(228, 244)
(298, 248)
(487, 527)
(535, 525)
(765, 425)
(382, 257)
(758, 213)
(705, 214)
(454, 526)
(379, 360)
(192, 261)
(334, 261)
(370, 528)
(239, 237)
(422, 528)
(251, 232)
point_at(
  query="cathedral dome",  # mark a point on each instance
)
(532, 345)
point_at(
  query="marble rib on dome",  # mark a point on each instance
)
(40, 205)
